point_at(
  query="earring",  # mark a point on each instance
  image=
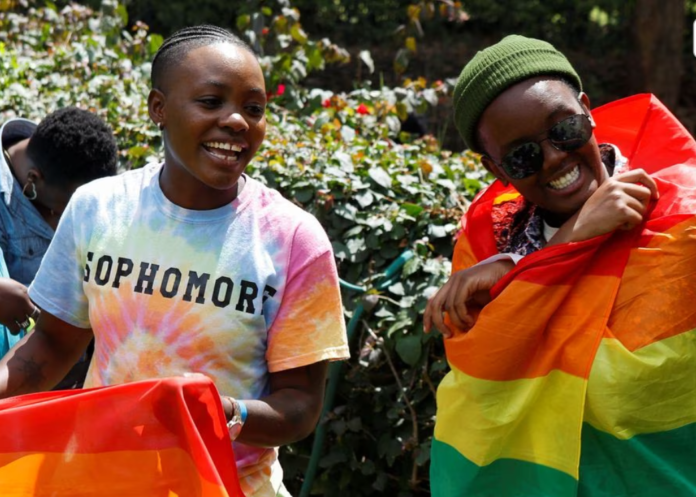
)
(32, 195)
(160, 126)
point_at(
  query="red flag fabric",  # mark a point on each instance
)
(164, 437)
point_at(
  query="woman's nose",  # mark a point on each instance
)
(552, 156)
(235, 121)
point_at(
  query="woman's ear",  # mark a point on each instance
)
(34, 175)
(155, 107)
(585, 101)
(493, 168)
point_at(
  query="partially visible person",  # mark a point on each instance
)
(40, 168)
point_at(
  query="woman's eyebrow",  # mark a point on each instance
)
(258, 90)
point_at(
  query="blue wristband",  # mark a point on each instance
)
(242, 410)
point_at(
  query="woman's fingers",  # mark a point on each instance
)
(640, 176)
(455, 304)
(434, 312)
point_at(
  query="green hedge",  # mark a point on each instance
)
(376, 191)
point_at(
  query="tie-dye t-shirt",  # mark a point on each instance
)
(234, 292)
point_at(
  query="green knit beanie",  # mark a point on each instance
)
(498, 67)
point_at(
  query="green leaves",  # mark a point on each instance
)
(380, 176)
(79, 57)
(409, 349)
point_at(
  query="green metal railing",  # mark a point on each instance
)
(386, 279)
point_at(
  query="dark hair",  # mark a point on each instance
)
(72, 146)
(571, 86)
(172, 51)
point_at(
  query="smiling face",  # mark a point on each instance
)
(212, 107)
(524, 113)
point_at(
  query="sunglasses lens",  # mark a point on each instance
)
(523, 161)
(571, 133)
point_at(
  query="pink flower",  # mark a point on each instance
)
(362, 109)
(280, 90)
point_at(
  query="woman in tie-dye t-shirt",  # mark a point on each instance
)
(192, 266)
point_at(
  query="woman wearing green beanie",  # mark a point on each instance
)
(569, 317)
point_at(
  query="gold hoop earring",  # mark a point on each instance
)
(32, 195)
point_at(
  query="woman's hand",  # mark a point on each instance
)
(464, 287)
(619, 203)
(15, 305)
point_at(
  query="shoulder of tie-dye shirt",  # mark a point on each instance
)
(302, 231)
(309, 326)
(519, 377)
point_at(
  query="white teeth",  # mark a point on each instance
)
(223, 146)
(229, 158)
(566, 180)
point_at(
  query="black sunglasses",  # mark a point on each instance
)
(567, 135)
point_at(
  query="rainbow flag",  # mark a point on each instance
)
(164, 437)
(579, 378)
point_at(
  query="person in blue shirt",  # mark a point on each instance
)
(40, 168)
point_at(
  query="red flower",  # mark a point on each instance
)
(264, 31)
(326, 103)
(362, 109)
(280, 90)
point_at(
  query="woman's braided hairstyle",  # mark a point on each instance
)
(172, 51)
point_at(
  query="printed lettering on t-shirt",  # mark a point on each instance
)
(172, 283)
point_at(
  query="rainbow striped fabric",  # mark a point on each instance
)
(579, 378)
(164, 437)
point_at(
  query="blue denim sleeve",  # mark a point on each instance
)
(4, 235)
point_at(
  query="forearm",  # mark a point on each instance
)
(281, 418)
(36, 364)
(290, 412)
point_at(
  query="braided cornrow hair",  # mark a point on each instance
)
(174, 48)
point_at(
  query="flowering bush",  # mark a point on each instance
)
(50, 59)
(376, 190)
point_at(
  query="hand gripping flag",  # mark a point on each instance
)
(579, 378)
(165, 437)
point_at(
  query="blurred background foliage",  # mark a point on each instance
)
(360, 134)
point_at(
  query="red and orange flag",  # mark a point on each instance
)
(164, 437)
